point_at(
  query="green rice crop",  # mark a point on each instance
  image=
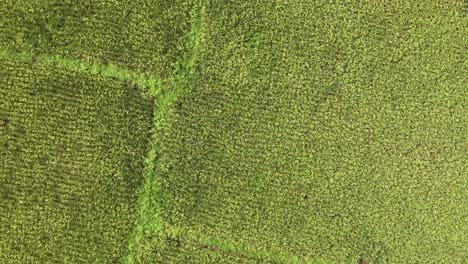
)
(281, 131)
(71, 152)
(139, 34)
(324, 130)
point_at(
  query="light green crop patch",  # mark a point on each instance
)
(72, 147)
(323, 130)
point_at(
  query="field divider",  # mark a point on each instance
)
(149, 84)
(206, 242)
(150, 223)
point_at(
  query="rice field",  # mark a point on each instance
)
(72, 148)
(233, 132)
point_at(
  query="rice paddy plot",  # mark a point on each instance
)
(324, 130)
(72, 147)
(142, 35)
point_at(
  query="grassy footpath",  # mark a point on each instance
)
(151, 230)
(150, 85)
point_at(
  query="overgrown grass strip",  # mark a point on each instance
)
(243, 251)
(152, 198)
(150, 84)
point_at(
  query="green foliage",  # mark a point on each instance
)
(150, 85)
(151, 227)
(147, 36)
(283, 131)
(72, 148)
(318, 129)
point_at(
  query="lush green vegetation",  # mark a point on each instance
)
(328, 130)
(142, 35)
(282, 132)
(71, 155)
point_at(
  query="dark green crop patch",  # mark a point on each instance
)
(143, 35)
(72, 147)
